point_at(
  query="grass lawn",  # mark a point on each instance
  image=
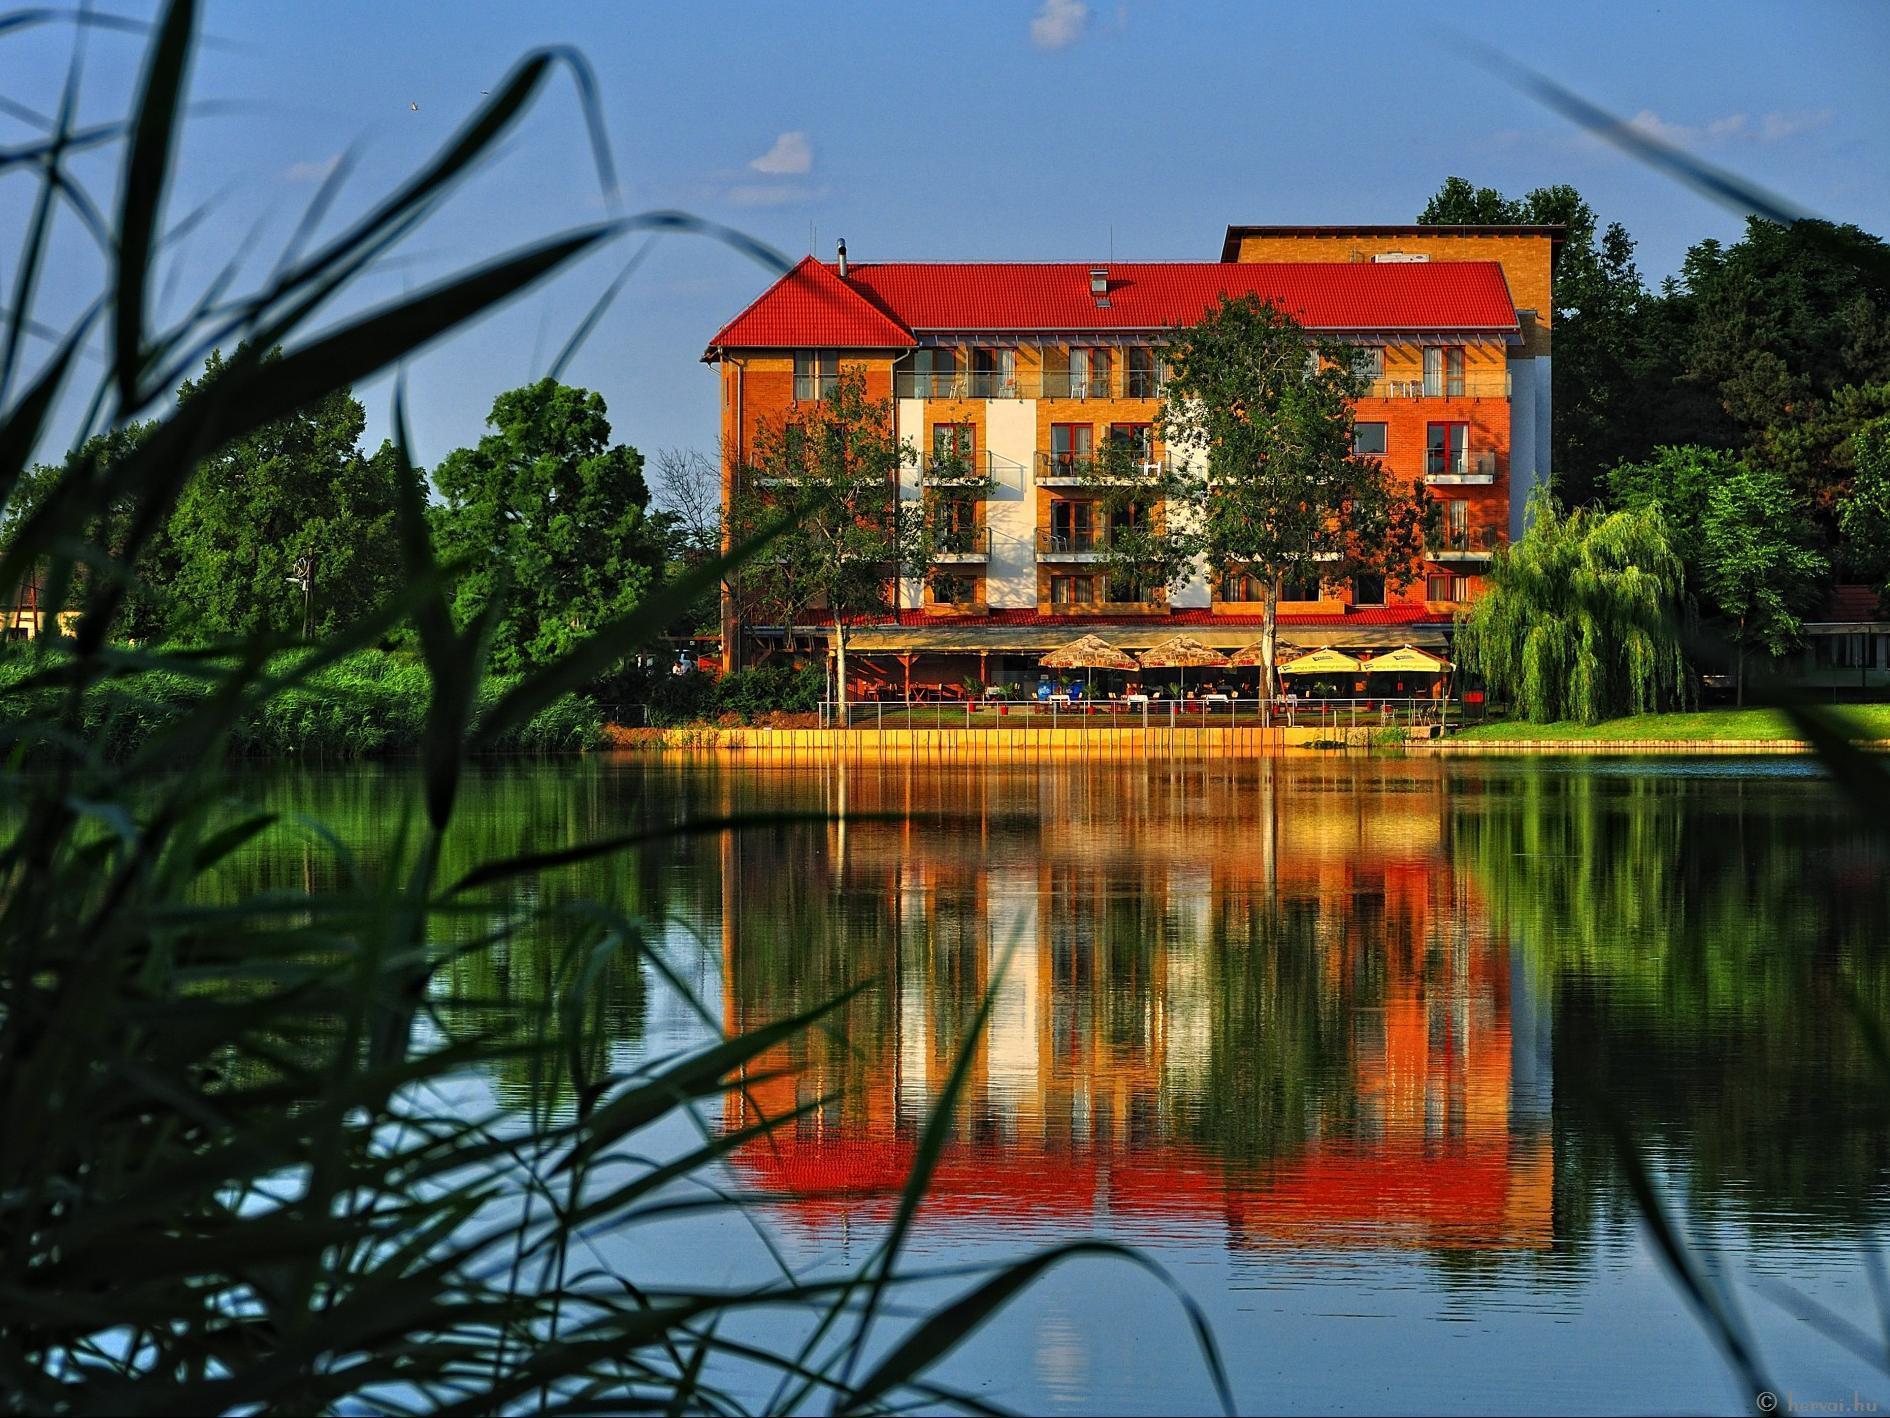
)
(1869, 721)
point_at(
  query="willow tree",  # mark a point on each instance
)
(831, 469)
(1582, 618)
(1260, 414)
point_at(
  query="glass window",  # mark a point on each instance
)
(1446, 449)
(1369, 361)
(1368, 590)
(954, 449)
(1071, 590)
(1142, 379)
(1443, 371)
(1089, 374)
(1137, 438)
(993, 373)
(815, 373)
(1369, 439)
(933, 375)
(1071, 447)
(1299, 588)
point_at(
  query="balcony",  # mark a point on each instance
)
(961, 384)
(1075, 544)
(1027, 384)
(1080, 469)
(1463, 544)
(1067, 384)
(1468, 386)
(1445, 468)
(957, 470)
(959, 545)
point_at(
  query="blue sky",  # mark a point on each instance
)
(1044, 129)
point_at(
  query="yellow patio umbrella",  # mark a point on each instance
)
(1322, 662)
(1408, 659)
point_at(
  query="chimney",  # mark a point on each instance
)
(1099, 281)
(843, 258)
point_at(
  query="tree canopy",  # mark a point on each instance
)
(1757, 566)
(547, 521)
(1583, 618)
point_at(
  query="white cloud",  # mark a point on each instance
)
(791, 156)
(1058, 23)
(311, 171)
(1729, 128)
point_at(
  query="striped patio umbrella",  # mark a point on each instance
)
(1090, 652)
(1182, 652)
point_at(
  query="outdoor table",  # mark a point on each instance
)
(1214, 699)
(1062, 699)
(1135, 699)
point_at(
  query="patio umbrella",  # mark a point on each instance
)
(1090, 652)
(1248, 656)
(1410, 660)
(1321, 662)
(1182, 652)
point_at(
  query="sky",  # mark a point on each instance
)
(1038, 130)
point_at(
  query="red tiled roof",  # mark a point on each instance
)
(1852, 603)
(812, 306)
(807, 309)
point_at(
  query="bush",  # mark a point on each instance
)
(741, 696)
(370, 704)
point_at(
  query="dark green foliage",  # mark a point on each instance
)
(371, 704)
(1864, 515)
(1678, 482)
(548, 518)
(658, 697)
(1757, 565)
(288, 529)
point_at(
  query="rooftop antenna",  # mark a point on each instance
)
(1112, 241)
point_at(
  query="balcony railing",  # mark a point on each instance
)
(1076, 541)
(1444, 465)
(1467, 386)
(963, 544)
(957, 470)
(1070, 469)
(1463, 543)
(1028, 384)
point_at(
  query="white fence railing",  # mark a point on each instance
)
(1140, 711)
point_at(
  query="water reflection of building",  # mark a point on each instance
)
(1228, 995)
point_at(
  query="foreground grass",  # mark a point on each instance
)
(1864, 721)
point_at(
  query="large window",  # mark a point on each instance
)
(1368, 439)
(1072, 445)
(1443, 371)
(815, 373)
(953, 443)
(1299, 588)
(1072, 590)
(1239, 585)
(1446, 449)
(1134, 441)
(1089, 374)
(1368, 590)
(993, 373)
(1442, 586)
(1369, 361)
(933, 374)
(1074, 525)
(1141, 373)
(953, 590)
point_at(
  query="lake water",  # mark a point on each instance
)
(1333, 1039)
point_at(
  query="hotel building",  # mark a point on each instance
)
(1030, 370)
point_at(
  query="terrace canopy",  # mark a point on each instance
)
(1089, 652)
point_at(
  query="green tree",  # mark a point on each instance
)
(833, 468)
(548, 519)
(1581, 619)
(1757, 565)
(1678, 482)
(287, 529)
(1864, 514)
(1258, 417)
